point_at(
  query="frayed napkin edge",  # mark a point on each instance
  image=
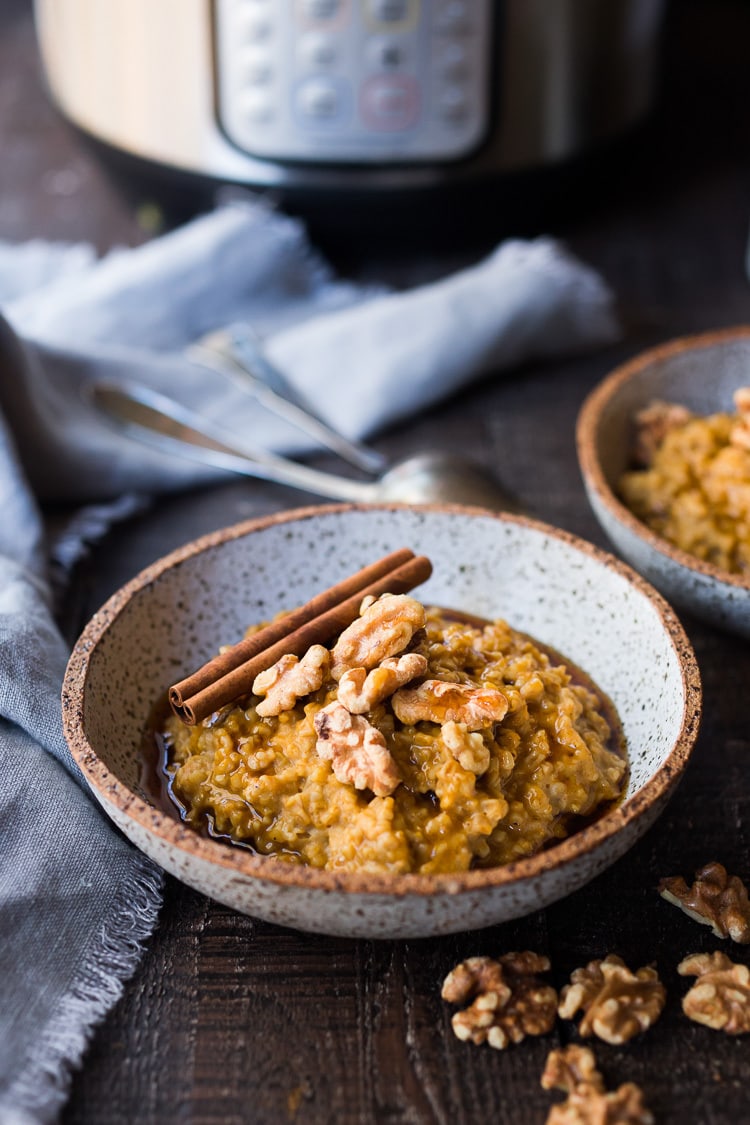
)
(43, 1083)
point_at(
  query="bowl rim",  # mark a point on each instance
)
(587, 426)
(110, 790)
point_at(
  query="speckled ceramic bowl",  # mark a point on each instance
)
(701, 372)
(566, 593)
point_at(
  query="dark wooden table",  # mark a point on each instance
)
(232, 1020)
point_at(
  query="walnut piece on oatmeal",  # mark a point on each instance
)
(360, 690)
(740, 433)
(741, 399)
(720, 997)
(469, 750)
(573, 1069)
(289, 679)
(356, 750)
(439, 701)
(616, 1003)
(715, 899)
(385, 628)
(509, 1002)
(652, 424)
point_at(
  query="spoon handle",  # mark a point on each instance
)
(165, 423)
(237, 353)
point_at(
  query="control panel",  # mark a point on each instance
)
(354, 81)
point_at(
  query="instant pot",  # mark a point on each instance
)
(330, 96)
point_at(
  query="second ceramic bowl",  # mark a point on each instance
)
(701, 372)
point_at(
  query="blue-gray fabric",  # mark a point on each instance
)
(77, 902)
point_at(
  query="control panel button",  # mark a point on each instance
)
(396, 15)
(387, 54)
(452, 60)
(255, 26)
(256, 67)
(320, 9)
(319, 100)
(390, 103)
(453, 105)
(454, 16)
(389, 11)
(257, 107)
(317, 52)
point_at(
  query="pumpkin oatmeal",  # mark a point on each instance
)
(693, 486)
(421, 742)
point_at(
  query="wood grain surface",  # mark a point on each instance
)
(230, 1020)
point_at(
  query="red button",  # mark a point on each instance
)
(390, 102)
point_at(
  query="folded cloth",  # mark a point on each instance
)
(364, 359)
(76, 901)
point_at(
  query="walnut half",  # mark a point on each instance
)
(289, 679)
(439, 701)
(509, 1002)
(740, 434)
(356, 750)
(360, 690)
(652, 424)
(616, 1003)
(384, 629)
(468, 749)
(720, 998)
(573, 1069)
(716, 899)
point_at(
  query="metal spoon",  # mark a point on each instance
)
(237, 353)
(165, 423)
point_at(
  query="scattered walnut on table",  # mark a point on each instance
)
(573, 1069)
(720, 997)
(469, 750)
(568, 1067)
(715, 899)
(360, 690)
(652, 424)
(385, 628)
(289, 679)
(616, 1003)
(509, 1002)
(438, 701)
(356, 750)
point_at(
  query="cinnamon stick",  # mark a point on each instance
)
(230, 675)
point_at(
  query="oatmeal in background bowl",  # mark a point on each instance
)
(537, 581)
(691, 480)
(664, 450)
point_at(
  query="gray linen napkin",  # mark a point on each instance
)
(365, 358)
(76, 901)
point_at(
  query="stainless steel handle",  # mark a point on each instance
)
(237, 352)
(166, 424)
(425, 478)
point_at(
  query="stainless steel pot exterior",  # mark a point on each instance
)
(139, 76)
